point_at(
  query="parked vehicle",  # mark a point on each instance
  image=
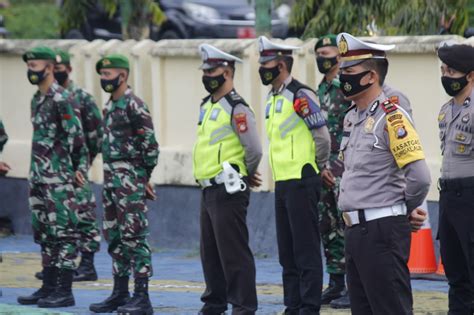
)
(187, 19)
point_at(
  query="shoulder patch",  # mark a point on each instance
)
(404, 141)
(241, 122)
(389, 107)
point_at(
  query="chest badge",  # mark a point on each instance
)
(461, 148)
(441, 116)
(465, 118)
(369, 125)
(460, 137)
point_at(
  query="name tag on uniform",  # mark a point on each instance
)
(279, 106)
(215, 113)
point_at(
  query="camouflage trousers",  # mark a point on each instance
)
(331, 227)
(53, 208)
(125, 224)
(87, 226)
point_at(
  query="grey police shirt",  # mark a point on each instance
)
(383, 159)
(456, 135)
(245, 126)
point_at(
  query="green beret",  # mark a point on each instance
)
(39, 53)
(62, 57)
(111, 62)
(325, 41)
(458, 57)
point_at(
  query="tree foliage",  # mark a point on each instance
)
(377, 17)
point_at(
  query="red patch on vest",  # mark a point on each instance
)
(241, 122)
(67, 116)
(140, 131)
(301, 106)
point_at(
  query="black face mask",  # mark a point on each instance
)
(35, 77)
(325, 64)
(267, 75)
(61, 77)
(351, 83)
(453, 86)
(110, 86)
(212, 84)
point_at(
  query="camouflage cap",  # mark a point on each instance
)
(325, 41)
(39, 53)
(62, 57)
(112, 61)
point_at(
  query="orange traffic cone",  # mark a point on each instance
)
(440, 270)
(422, 256)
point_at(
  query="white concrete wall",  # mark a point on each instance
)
(166, 76)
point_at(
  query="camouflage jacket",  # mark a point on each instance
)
(333, 106)
(3, 136)
(128, 133)
(91, 119)
(58, 148)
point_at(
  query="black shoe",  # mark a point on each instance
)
(334, 290)
(86, 270)
(39, 275)
(49, 284)
(119, 297)
(140, 303)
(62, 296)
(342, 302)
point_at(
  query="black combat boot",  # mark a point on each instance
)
(342, 302)
(86, 270)
(119, 297)
(50, 278)
(140, 303)
(62, 296)
(334, 290)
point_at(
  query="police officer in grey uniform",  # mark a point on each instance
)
(227, 132)
(386, 179)
(456, 203)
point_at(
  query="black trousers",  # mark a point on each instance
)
(376, 263)
(456, 236)
(299, 243)
(227, 261)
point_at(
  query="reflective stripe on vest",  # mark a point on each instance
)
(216, 141)
(291, 142)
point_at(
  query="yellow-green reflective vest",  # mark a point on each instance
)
(216, 140)
(291, 142)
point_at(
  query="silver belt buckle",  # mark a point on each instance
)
(347, 219)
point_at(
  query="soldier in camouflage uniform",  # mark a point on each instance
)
(4, 167)
(59, 158)
(334, 106)
(130, 153)
(87, 226)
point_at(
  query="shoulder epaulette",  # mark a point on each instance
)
(235, 99)
(204, 100)
(350, 108)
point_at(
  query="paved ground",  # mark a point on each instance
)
(175, 288)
